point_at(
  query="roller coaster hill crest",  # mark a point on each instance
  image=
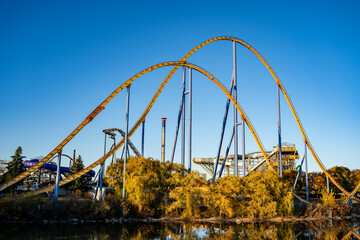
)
(237, 162)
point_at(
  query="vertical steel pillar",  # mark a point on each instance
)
(56, 190)
(114, 155)
(243, 146)
(236, 161)
(328, 184)
(183, 120)
(223, 128)
(163, 139)
(102, 172)
(100, 181)
(142, 138)
(279, 130)
(306, 173)
(190, 116)
(126, 137)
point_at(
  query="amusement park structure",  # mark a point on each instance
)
(280, 158)
(253, 161)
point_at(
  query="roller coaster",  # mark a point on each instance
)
(266, 156)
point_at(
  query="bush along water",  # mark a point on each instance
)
(154, 190)
(169, 190)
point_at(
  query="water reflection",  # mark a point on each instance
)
(307, 230)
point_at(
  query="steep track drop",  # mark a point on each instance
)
(151, 103)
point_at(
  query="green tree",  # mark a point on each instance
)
(82, 182)
(14, 168)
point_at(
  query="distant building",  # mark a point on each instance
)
(3, 166)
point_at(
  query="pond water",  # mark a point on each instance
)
(166, 230)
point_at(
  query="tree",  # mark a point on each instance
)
(266, 195)
(82, 182)
(187, 196)
(148, 183)
(14, 168)
(222, 197)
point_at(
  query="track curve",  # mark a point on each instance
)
(288, 99)
(92, 115)
(117, 146)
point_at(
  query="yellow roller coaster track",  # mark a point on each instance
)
(141, 119)
(133, 129)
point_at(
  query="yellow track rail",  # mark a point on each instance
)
(141, 119)
(290, 103)
(127, 83)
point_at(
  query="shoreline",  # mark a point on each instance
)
(186, 220)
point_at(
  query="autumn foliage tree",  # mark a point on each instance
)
(188, 194)
(259, 195)
(148, 183)
(154, 189)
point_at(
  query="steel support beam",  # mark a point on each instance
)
(126, 137)
(163, 120)
(223, 128)
(298, 174)
(306, 173)
(183, 120)
(101, 175)
(243, 146)
(142, 138)
(328, 184)
(177, 126)
(56, 190)
(236, 161)
(190, 116)
(279, 130)
(227, 152)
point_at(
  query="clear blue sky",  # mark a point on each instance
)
(59, 60)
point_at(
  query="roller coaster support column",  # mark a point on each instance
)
(306, 173)
(327, 184)
(56, 190)
(142, 138)
(236, 161)
(223, 129)
(243, 146)
(183, 120)
(114, 155)
(126, 137)
(190, 116)
(100, 176)
(163, 139)
(226, 153)
(101, 172)
(298, 172)
(181, 111)
(279, 130)
(100, 182)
